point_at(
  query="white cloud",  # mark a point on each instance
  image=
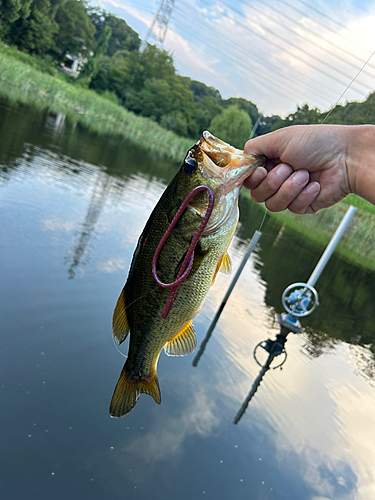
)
(57, 224)
(216, 43)
(166, 439)
(112, 265)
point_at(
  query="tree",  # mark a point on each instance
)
(302, 116)
(233, 125)
(35, 32)
(250, 108)
(75, 31)
(91, 68)
(123, 38)
(10, 11)
(267, 124)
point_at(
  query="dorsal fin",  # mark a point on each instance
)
(183, 343)
(120, 325)
(226, 264)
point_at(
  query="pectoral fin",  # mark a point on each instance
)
(128, 390)
(224, 265)
(183, 343)
(120, 325)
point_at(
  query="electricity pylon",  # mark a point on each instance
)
(159, 26)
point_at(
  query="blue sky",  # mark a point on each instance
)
(277, 54)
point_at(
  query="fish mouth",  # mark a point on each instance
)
(229, 165)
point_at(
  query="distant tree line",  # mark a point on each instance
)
(147, 82)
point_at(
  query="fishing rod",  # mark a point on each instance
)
(299, 300)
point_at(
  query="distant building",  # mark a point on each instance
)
(73, 64)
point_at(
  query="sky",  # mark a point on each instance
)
(277, 54)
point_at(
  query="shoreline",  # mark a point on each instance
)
(22, 83)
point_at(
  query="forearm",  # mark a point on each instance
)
(361, 161)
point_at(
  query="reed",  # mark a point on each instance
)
(24, 83)
(357, 243)
(27, 79)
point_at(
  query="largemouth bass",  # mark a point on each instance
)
(210, 162)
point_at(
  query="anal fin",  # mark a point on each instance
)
(183, 343)
(120, 325)
(128, 390)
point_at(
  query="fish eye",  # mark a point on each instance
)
(190, 165)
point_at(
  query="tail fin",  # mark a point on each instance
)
(128, 390)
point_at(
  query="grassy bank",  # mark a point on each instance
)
(23, 79)
(357, 243)
(29, 80)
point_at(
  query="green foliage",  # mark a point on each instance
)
(166, 101)
(91, 68)
(267, 124)
(233, 125)
(360, 203)
(302, 116)
(46, 64)
(123, 37)
(146, 83)
(201, 90)
(35, 32)
(76, 32)
(22, 83)
(11, 11)
(250, 108)
(355, 113)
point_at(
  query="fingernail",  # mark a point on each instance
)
(258, 175)
(313, 188)
(301, 177)
(284, 171)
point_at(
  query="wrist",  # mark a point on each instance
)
(360, 161)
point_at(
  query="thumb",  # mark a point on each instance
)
(271, 145)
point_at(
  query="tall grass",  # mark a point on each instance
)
(21, 82)
(26, 79)
(358, 241)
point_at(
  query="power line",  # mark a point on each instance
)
(267, 54)
(298, 48)
(254, 76)
(258, 59)
(325, 49)
(330, 19)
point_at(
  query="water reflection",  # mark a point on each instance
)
(345, 290)
(274, 348)
(307, 433)
(98, 198)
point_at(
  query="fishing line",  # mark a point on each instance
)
(234, 268)
(114, 343)
(266, 212)
(347, 88)
(264, 218)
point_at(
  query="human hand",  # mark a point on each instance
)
(306, 168)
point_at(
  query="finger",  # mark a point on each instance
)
(270, 185)
(302, 203)
(288, 191)
(256, 178)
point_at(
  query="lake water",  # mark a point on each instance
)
(72, 206)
